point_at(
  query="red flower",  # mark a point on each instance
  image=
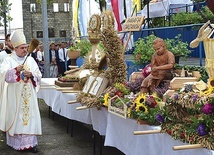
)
(169, 131)
(147, 70)
(182, 135)
(119, 93)
(191, 138)
(125, 83)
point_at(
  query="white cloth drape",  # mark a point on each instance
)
(86, 9)
(161, 9)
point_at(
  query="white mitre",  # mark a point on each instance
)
(17, 38)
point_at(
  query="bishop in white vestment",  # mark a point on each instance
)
(19, 83)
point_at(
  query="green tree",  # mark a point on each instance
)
(5, 7)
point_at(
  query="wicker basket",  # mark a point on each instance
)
(210, 4)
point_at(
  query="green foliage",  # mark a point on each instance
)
(149, 117)
(7, 8)
(183, 18)
(84, 46)
(143, 48)
(121, 87)
(177, 46)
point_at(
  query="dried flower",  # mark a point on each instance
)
(208, 108)
(176, 96)
(150, 101)
(182, 135)
(169, 131)
(195, 97)
(159, 118)
(202, 129)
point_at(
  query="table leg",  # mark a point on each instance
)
(72, 128)
(94, 143)
(49, 112)
(101, 144)
(67, 125)
(53, 115)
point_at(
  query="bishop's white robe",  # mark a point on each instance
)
(19, 111)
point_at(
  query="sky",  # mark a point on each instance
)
(16, 14)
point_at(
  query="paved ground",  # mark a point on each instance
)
(56, 141)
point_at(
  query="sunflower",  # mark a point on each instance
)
(211, 82)
(210, 89)
(141, 107)
(106, 97)
(141, 99)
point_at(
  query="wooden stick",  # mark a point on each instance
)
(184, 147)
(64, 88)
(70, 91)
(146, 132)
(72, 102)
(127, 41)
(82, 108)
(47, 87)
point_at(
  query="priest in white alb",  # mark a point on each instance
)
(19, 83)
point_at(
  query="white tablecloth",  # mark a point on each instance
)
(162, 8)
(48, 93)
(58, 101)
(99, 120)
(118, 131)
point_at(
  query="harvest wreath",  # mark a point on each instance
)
(189, 118)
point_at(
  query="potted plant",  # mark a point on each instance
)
(143, 48)
(79, 49)
(177, 47)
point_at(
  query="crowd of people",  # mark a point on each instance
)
(58, 57)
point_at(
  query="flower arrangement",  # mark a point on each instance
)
(144, 108)
(189, 118)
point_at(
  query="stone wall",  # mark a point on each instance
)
(59, 23)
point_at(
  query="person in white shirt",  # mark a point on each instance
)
(63, 59)
(6, 50)
(40, 59)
